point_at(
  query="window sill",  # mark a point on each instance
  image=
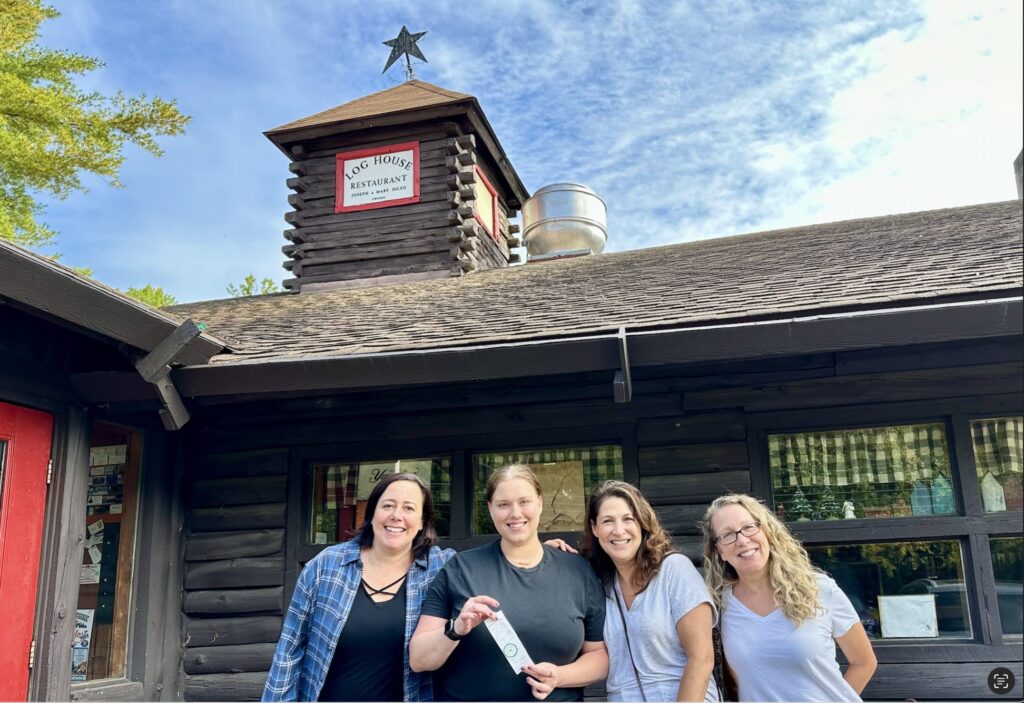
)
(106, 690)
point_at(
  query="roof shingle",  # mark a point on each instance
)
(908, 259)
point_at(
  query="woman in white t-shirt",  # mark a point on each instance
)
(658, 613)
(781, 617)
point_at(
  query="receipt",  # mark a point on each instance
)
(509, 643)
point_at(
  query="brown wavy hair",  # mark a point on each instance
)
(425, 538)
(792, 577)
(655, 543)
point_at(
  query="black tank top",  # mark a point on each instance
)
(368, 661)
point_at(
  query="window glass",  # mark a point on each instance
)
(1008, 569)
(999, 456)
(100, 640)
(340, 492)
(566, 475)
(897, 471)
(901, 589)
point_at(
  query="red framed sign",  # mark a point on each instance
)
(380, 177)
(485, 208)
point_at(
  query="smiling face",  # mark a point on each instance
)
(515, 509)
(617, 530)
(747, 555)
(398, 517)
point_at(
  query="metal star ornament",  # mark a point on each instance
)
(404, 43)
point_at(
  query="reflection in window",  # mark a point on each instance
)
(100, 640)
(870, 472)
(340, 492)
(566, 475)
(999, 456)
(1008, 569)
(901, 589)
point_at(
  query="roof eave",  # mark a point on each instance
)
(841, 332)
(36, 283)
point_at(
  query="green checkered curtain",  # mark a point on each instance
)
(859, 456)
(998, 445)
(599, 463)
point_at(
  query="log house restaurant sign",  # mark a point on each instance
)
(378, 177)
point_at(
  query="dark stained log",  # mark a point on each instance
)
(429, 137)
(297, 201)
(237, 491)
(694, 458)
(297, 167)
(231, 659)
(930, 681)
(370, 252)
(693, 488)
(218, 632)
(116, 690)
(681, 519)
(232, 573)
(229, 545)
(514, 418)
(260, 463)
(223, 602)
(690, 429)
(875, 388)
(409, 228)
(513, 229)
(225, 687)
(378, 267)
(927, 356)
(242, 517)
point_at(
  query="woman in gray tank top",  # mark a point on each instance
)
(659, 613)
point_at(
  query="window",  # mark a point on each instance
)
(485, 204)
(1008, 569)
(566, 475)
(895, 471)
(340, 492)
(100, 640)
(902, 589)
(999, 456)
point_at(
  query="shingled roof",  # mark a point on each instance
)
(410, 95)
(965, 253)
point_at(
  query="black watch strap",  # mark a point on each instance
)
(450, 633)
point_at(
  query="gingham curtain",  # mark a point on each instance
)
(861, 456)
(998, 445)
(341, 483)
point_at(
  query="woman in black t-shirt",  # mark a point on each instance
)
(551, 598)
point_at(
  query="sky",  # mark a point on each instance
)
(690, 119)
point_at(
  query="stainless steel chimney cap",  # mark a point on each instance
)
(564, 217)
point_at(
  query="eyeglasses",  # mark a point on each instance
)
(747, 531)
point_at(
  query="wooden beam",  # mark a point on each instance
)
(156, 363)
(173, 414)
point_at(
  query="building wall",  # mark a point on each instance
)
(689, 435)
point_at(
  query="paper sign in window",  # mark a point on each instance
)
(908, 616)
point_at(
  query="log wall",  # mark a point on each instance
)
(689, 435)
(234, 573)
(435, 237)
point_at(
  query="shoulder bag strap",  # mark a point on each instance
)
(629, 649)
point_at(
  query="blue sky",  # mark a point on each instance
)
(690, 119)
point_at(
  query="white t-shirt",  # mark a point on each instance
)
(776, 661)
(676, 590)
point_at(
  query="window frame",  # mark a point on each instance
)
(459, 448)
(970, 525)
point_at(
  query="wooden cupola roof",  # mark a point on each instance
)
(412, 101)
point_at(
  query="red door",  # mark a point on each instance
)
(24, 456)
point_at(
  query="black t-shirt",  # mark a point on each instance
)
(554, 607)
(369, 659)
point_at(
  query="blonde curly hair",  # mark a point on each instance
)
(790, 573)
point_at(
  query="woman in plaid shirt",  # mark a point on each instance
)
(356, 604)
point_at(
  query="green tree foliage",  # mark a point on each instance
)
(249, 286)
(51, 132)
(152, 295)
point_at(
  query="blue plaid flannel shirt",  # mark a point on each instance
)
(318, 611)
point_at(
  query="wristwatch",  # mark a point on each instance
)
(450, 633)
